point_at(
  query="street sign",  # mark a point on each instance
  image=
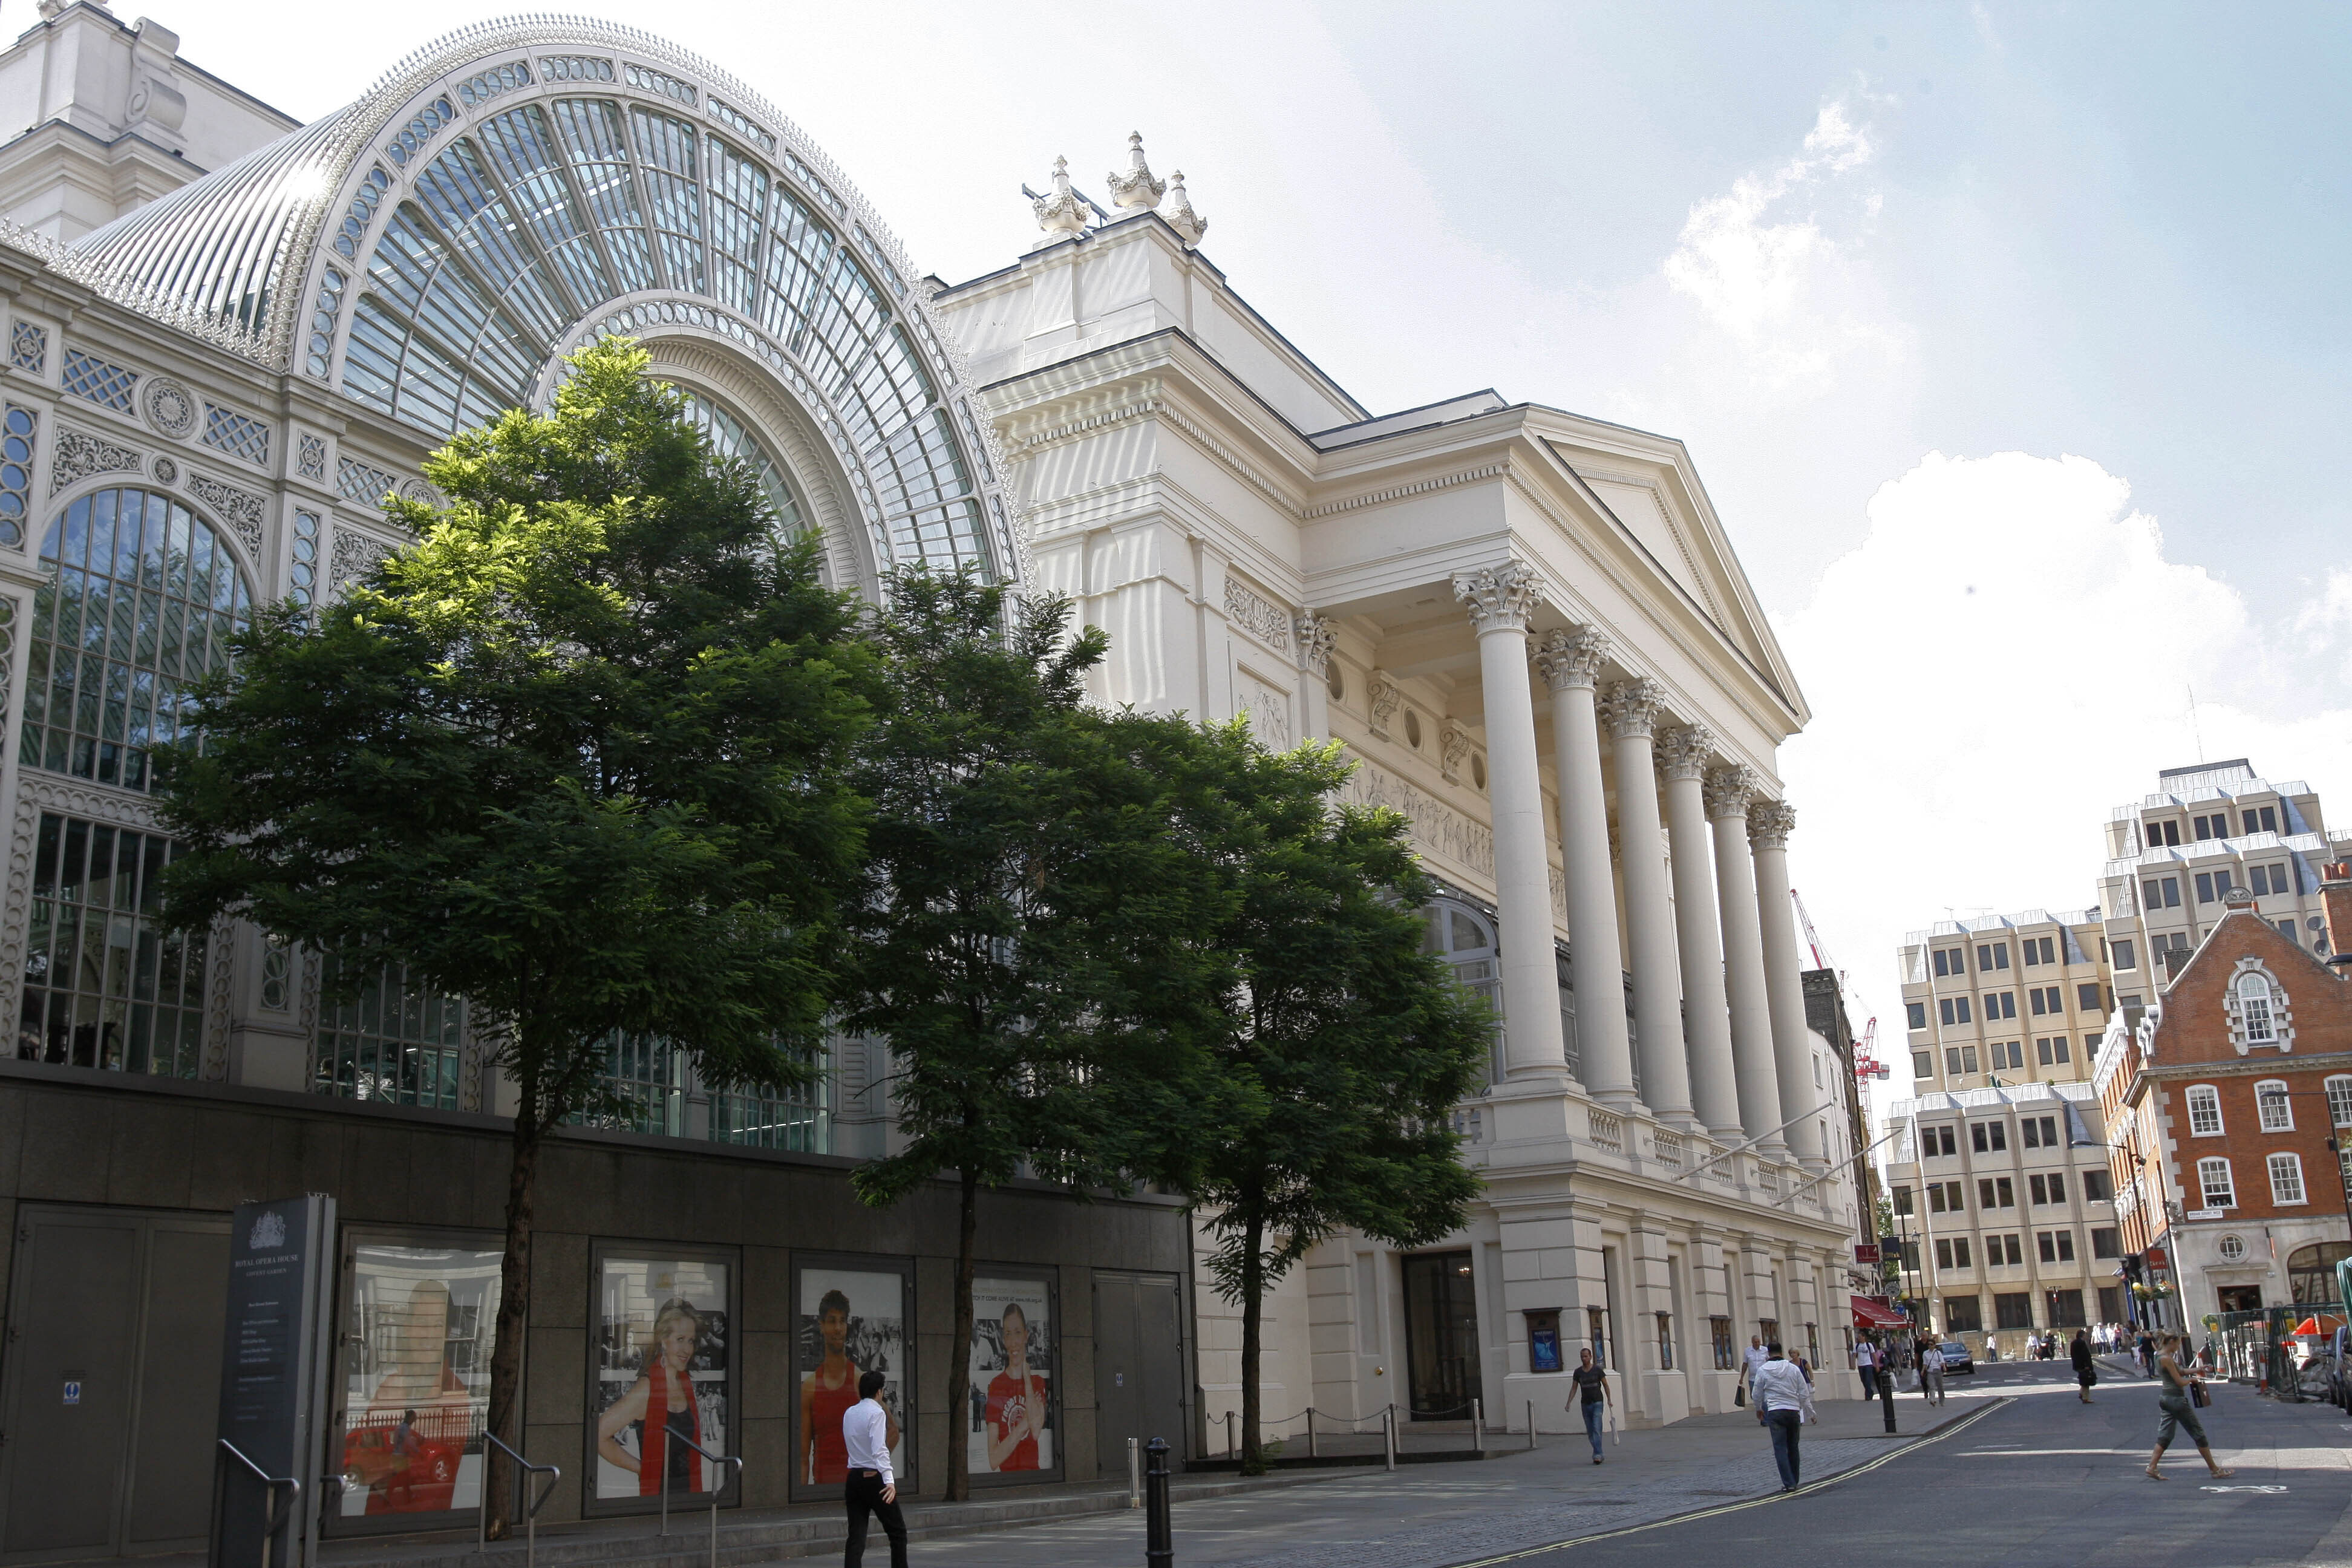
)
(2204, 1214)
(1866, 1252)
(2155, 1258)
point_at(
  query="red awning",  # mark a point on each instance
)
(1869, 1314)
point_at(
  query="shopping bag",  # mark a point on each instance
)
(2198, 1397)
(1739, 1394)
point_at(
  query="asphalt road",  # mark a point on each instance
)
(2043, 1480)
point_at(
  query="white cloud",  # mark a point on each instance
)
(1788, 292)
(2007, 656)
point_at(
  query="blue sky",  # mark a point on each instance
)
(2010, 339)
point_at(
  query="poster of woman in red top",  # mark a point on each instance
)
(851, 1321)
(1012, 1377)
(663, 1364)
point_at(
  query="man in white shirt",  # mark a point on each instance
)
(1756, 1355)
(1784, 1402)
(871, 1488)
(1865, 1362)
(1931, 1375)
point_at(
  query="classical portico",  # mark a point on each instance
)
(1529, 633)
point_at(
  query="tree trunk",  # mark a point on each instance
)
(960, 1346)
(1253, 1318)
(514, 1313)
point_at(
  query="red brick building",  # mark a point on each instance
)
(2221, 1101)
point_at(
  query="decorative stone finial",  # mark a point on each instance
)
(1769, 822)
(1572, 659)
(1135, 191)
(1633, 706)
(1684, 751)
(1316, 638)
(1729, 789)
(1179, 212)
(1501, 597)
(1061, 213)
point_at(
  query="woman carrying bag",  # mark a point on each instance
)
(2085, 1373)
(2178, 1395)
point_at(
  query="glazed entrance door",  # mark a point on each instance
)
(1441, 1328)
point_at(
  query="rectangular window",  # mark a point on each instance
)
(1916, 1014)
(395, 1040)
(1946, 1136)
(2270, 819)
(2038, 1188)
(2049, 1125)
(2008, 1193)
(2087, 997)
(105, 985)
(2057, 1186)
(2275, 1110)
(2026, 1124)
(2064, 1242)
(1945, 1011)
(2171, 892)
(1963, 1314)
(2043, 1053)
(420, 1314)
(2204, 1109)
(2124, 954)
(1962, 1003)
(2213, 1181)
(1934, 1199)
(2111, 1303)
(2107, 1241)
(2096, 1189)
(1960, 1252)
(2007, 1001)
(1948, 963)
(1922, 1064)
(2037, 999)
(1955, 1196)
(1990, 1136)
(2202, 829)
(1727, 1359)
(2205, 886)
(1984, 1191)
(1903, 1200)
(2014, 1309)
(2339, 1101)
(2065, 1307)
(1978, 1138)
(2286, 1178)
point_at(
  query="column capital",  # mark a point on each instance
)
(1729, 790)
(1572, 659)
(1315, 637)
(1685, 751)
(1769, 822)
(1500, 598)
(1632, 707)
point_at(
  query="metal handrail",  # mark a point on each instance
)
(555, 1475)
(722, 1461)
(269, 1483)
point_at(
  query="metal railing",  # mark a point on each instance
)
(722, 1461)
(555, 1475)
(270, 1515)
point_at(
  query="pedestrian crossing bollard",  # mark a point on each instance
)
(1532, 1423)
(1886, 1396)
(1478, 1429)
(1232, 1447)
(1388, 1438)
(1134, 1475)
(1158, 1535)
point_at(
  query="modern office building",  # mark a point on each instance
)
(2011, 999)
(2006, 1207)
(229, 337)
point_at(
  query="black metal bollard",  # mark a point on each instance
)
(1886, 1396)
(1158, 1534)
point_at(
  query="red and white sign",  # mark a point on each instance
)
(1866, 1252)
(2155, 1258)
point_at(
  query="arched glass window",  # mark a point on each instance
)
(142, 599)
(730, 439)
(1465, 940)
(2254, 1009)
(2204, 1109)
(540, 215)
(2311, 1273)
(2272, 1105)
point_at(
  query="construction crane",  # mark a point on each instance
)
(1865, 1059)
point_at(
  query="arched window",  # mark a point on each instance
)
(141, 598)
(2204, 1111)
(2254, 1015)
(2287, 1179)
(2339, 1100)
(731, 438)
(1465, 940)
(2275, 1109)
(2311, 1273)
(2213, 1181)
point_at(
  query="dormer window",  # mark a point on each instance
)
(2254, 1011)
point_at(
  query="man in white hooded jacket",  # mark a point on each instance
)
(1784, 1402)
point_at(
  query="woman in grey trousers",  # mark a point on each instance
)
(2178, 1410)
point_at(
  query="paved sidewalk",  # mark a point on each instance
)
(1442, 1514)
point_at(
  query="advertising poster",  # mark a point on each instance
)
(1013, 1395)
(418, 1324)
(847, 1321)
(663, 1359)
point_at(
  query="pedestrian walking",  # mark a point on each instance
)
(1592, 1397)
(1784, 1403)
(2177, 1401)
(2085, 1373)
(1752, 1358)
(2144, 1352)
(1865, 1362)
(871, 1489)
(1931, 1375)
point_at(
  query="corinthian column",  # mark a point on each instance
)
(1728, 791)
(1571, 665)
(1769, 825)
(1683, 756)
(1632, 713)
(1500, 600)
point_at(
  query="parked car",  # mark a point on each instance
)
(1957, 1360)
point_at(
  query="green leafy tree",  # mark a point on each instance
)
(1019, 937)
(1343, 1047)
(578, 756)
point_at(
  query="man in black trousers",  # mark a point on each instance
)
(872, 1489)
